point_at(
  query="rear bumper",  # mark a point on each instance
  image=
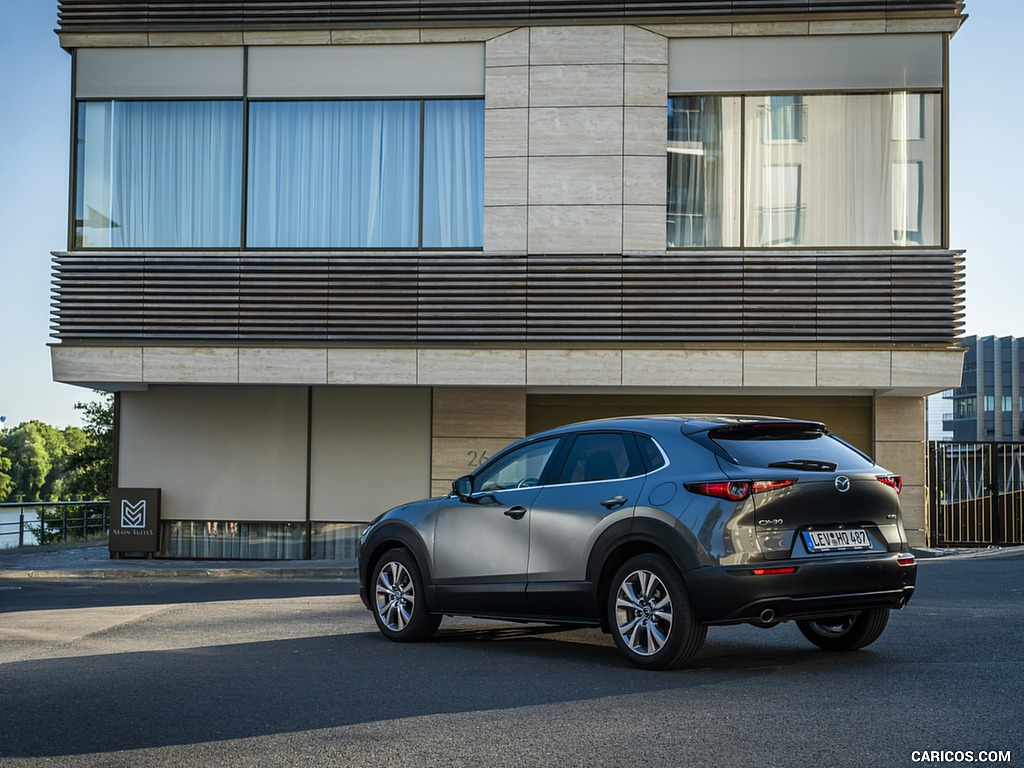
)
(814, 589)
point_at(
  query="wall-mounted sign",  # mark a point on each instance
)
(135, 520)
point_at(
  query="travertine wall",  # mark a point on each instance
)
(901, 434)
(785, 370)
(471, 424)
(575, 142)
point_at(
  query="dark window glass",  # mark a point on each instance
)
(653, 457)
(792, 447)
(600, 456)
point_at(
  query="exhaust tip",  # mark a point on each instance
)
(767, 615)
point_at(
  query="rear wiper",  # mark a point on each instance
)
(812, 465)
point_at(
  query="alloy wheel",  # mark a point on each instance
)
(395, 596)
(643, 612)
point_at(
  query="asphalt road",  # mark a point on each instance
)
(283, 672)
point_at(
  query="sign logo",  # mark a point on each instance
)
(133, 515)
(842, 483)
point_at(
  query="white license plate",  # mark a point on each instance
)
(840, 538)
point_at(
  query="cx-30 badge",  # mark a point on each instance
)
(842, 483)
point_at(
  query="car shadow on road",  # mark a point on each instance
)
(158, 698)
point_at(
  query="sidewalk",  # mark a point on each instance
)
(93, 562)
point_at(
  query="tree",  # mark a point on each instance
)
(30, 457)
(5, 478)
(39, 462)
(89, 474)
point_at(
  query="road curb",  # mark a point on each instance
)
(986, 553)
(179, 573)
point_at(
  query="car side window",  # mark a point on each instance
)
(522, 468)
(600, 456)
(653, 457)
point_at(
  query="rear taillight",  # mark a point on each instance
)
(737, 490)
(893, 481)
(906, 560)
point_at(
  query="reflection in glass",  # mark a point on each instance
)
(866, 176)
(824, 171)
(700, 171)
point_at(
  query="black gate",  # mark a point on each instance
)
(976, 494)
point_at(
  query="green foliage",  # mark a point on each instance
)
(5, 474)
(90, 474)
(39, 462)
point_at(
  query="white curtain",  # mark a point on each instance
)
(342, 174)
(175, 173)
(865, 173)
(453, 174)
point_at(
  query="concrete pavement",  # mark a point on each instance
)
(93, 561)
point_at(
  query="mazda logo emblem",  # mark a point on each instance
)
(842, 483)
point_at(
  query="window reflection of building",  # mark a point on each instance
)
(862, 170)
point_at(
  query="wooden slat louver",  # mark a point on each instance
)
(464, 298)
(134, 15)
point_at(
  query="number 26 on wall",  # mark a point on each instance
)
(476, 458)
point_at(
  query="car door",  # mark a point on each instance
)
(482, 542)
(598, 485)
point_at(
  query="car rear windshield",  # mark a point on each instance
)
(785, 445)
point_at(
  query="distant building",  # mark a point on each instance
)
(988, 403)
(939, 410)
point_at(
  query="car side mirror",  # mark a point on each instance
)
(463, 487)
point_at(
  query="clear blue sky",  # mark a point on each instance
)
(987, 167)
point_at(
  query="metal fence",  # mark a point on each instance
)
(44, 522)
(976, 494)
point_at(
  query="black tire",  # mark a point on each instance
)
(650, 614)
(397, 597)
(846, 633)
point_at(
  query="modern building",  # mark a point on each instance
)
(939, 411)
(988, 403)
(331, 255)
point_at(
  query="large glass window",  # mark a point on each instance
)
(349, 174)
(320, 174)
(703, 171)
(329, 174)
(453, 174)
(828, 170)
(158, 174)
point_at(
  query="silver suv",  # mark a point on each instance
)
(653, 528)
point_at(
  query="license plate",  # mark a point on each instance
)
(840, 538)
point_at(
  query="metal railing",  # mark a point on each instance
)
(43, 522)
(976, 493)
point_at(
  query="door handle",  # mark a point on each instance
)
(613, 502)
(516, 512)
